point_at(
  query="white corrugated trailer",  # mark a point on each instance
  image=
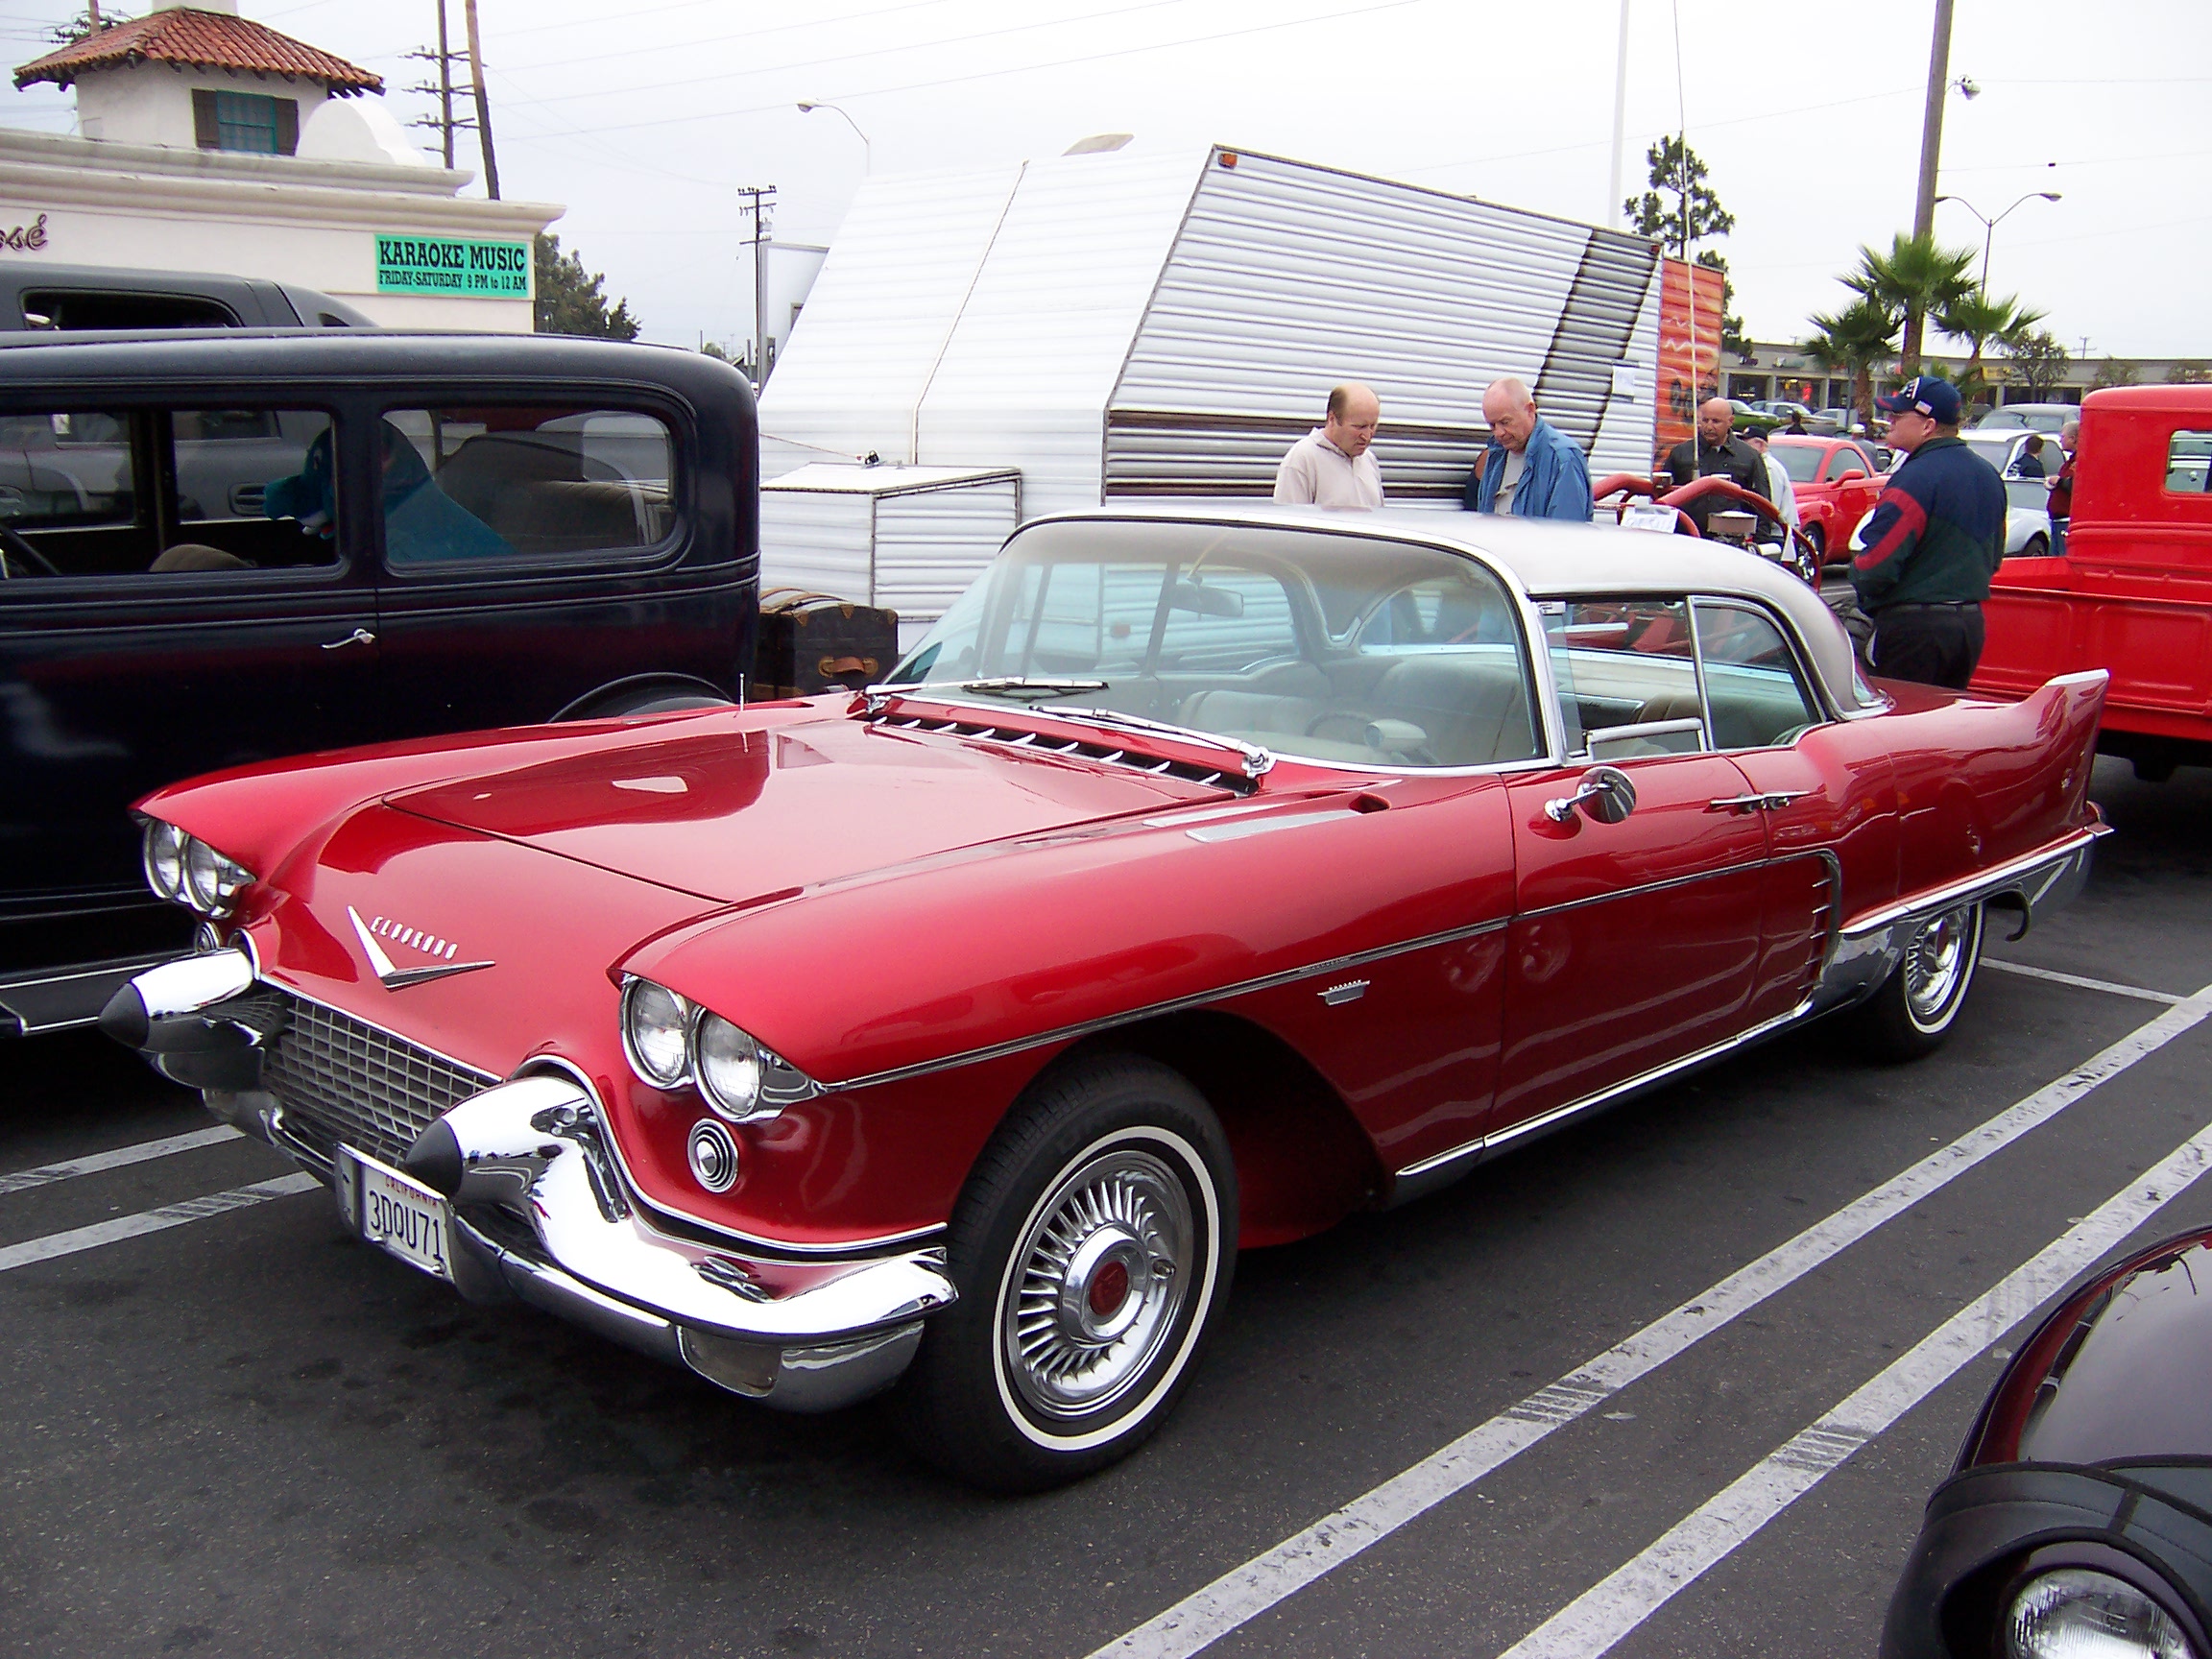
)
(909, 539)
(1133, 324)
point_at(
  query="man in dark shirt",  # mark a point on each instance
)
(1714, 453)
(1936, 534)
(2030, 464)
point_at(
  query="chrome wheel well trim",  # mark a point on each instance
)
(540, 1064)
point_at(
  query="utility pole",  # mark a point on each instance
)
(484, 104)
(443, 120)
(92, 16)
(758, 200)
(1615, 201)
(1930, 122)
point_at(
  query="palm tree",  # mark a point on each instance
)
(1978, 320)
(1861, 339)
(1915, 279)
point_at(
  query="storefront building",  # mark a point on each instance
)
(209, 142)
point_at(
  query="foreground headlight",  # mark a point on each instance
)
(210, 880)
(2075, 1612)
(728, 1063)
(656, 1033)
(165, 860)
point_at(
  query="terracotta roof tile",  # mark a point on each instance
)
(199, 40)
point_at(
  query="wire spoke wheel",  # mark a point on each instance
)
(1936, 963)
(1098, 1283)
(1918, 1004)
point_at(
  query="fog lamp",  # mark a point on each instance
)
(2075, 1612)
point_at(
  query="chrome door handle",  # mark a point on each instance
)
(1774, 801)
(359, 636)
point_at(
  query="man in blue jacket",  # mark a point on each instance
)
(1531, 468)
(1936, 535)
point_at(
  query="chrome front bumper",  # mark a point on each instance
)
(536, 1211)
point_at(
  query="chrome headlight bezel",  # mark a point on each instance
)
(185, 870)
(739, 1077)
(637, 996)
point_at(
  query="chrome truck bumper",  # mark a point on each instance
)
(533, 1208)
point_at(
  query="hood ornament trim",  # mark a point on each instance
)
(397, 978)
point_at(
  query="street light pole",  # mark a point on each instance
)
(808, 106)
(1989, 225)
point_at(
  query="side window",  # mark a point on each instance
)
(1848, 460)
(1222, 620)
(2187, 455)
(230, 489)
(1627, 675)
(1751, 683)
(494, 482)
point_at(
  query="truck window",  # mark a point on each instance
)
(2187, 455)
(65, 308)
(160, 491)
(492, 482)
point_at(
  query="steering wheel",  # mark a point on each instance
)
(14, 550)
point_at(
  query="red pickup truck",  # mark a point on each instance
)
(2132, 593)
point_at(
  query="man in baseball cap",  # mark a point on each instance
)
(1936, 534)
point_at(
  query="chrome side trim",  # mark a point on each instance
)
(1174, 1005)
(1419, 1179)
(2049, 863)
(1238, 831)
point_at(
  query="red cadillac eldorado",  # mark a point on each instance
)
(1204, 875)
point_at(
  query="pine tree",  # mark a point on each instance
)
(570, 301)
(1693, 214)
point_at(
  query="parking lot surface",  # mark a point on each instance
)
(1676, 1380)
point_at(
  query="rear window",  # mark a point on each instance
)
(69, 308)
(478, 483)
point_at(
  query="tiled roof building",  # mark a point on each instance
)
(195, 40)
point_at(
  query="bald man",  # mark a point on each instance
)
(1331, 466)
(1714, 451)
(1531, 470)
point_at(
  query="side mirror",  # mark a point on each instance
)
(1608, 795)
(1848, 476)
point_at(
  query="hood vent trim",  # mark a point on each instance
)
(1106, 753)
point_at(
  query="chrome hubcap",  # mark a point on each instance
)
(1936, 962)
(1099, 1281)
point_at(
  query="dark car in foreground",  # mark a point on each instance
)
(2078, 1521)
(1204, 875)
(218, 548)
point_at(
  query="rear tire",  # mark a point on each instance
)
(2038, 547)
(1918, 1004)
(1092, 1249)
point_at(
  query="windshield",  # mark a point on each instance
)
(1334, 647)
(1801, 461)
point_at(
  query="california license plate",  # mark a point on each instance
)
(397, 1214)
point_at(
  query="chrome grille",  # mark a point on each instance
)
(340, 1079)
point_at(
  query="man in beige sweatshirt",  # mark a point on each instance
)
(1331, 466)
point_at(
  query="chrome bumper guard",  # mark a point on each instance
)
(2032, 885)
(537, 1212)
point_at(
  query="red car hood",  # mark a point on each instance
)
(739, 816)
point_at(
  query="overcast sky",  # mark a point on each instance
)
(641, 119)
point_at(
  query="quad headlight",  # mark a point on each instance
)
(2077, 1613)
(672, 1042)
(186, 870)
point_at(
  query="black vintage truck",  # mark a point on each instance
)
(223, 546)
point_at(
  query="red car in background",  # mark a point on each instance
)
(1835, 481)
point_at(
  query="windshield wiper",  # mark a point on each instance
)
(1019, 687)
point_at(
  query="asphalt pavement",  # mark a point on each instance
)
(1676, 1381)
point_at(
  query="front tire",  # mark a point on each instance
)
(1092, 1249)
(1918, 1004)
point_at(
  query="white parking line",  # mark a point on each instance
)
(69, 1243)
(1602, 1616)
(2110, 986)
(120, 1158)
(1240, 1595)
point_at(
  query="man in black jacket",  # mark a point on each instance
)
(1936, 534)
(1713, 452)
